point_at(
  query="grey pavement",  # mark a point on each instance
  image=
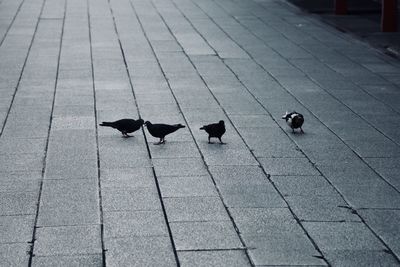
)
(75, 194)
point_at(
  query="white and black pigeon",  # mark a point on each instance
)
(161, 130)
(125, 126)
(294, 119)
(215, 130)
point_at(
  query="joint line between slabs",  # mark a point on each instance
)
(24, 64)
(144, 133)
(301, 103)
(224, 111)
(197, 145)
(48, 132)
(103, 249)
(12, 22)
(291, 138)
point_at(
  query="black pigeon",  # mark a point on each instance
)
(125, 126)
(215, 130)
(294, 119)
(161, 130)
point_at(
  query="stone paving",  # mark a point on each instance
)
(75, 194)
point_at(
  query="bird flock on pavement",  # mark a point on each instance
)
(294, 119)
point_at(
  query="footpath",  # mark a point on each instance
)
(76, 194)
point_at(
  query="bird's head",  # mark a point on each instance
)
(285, 116)
(147, 123)
(141, 121)
(221, 122)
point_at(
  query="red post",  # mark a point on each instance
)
(389, 16)
(340, 7)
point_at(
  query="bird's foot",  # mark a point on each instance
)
(301, 130)
(210, 142)
(162, 141)
(222, 143)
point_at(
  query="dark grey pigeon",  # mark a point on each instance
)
(125, 126)
(294, 119)
(215, 130)
(161, 130)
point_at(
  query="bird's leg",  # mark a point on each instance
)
(293, 131)
(301, 130)
(163, 140)
(209, 140)
(222, 143)
(159, 142)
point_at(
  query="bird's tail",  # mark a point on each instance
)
(202, 128)
(108, 124)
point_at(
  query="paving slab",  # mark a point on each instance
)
(360, 257)
(15, 254)
(321, 208)
(213, 258)
(134, 223)
(18, 203)
(140, 251)
(69, 202)
(342, 236)
(127, 179)
(388, 168)
(179, 167)
(140, 198)
(19, 181)
(78, 260)
(190, 186)
(195, 209)
(288, 166)
(205, 235)
(251, 196)
(282, 249)
(66, 240)
(16, 229)
(384, 223)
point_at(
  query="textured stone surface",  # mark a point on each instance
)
(78, 260)
(195, 209)
(133, 223)
(205, 235)
(342, 236)
(69, 202)
(16, 229)
(140, 251)
(66, 68)
(213, 258)
(190, 186)
(385, 223)
(282, 248)
(14, 254)
(67, 240)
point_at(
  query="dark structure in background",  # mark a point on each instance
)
(388, 18)
(375, 21)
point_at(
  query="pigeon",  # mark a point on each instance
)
(294, 120)
(125, 126)
(215, 130)
(161, 130)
